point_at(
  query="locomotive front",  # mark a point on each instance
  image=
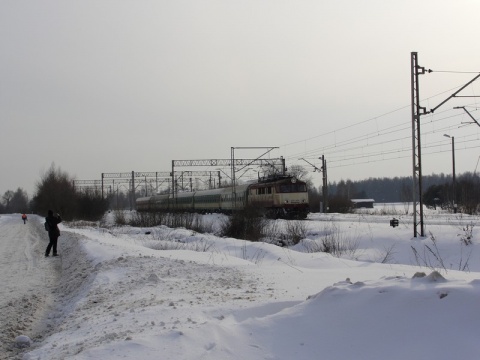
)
(286, 197)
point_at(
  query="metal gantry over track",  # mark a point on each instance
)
(276, 165)
(152, 180)
(176, 180)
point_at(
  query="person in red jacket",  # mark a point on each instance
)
(53, 232)
(24, 218)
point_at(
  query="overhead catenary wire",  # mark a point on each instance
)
(341, 165)
(374, 118)
(440, 143)
(338, 151)
(338, 159)
(337, 145)
(380, 144)
(455, 72)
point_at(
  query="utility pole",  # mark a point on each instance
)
(132, 194)
(323, 169)
(454, 182)
(417, 111)
(325, 185)
(454, 197)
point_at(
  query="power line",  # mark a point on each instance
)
(341, 156)
(455, 72)
(398, 128)
(375, 118)
(396, 157)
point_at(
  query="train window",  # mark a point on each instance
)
(288, 188)
(269, 190)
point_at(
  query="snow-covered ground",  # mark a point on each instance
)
(160, 293)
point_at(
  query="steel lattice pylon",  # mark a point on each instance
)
(417, 111)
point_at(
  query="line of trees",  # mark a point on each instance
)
(438, 191)
(55, 191)
(467, 194)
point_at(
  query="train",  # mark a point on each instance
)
(280, 197)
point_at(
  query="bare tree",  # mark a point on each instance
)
(55, 191)
(298, 171)
(7, 197)
(19, 201)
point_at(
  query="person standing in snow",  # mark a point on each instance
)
(24, 218)
(53, 232)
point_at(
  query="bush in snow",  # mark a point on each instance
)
(247, 224)
(429, 256)
(295, 231)
(190, 221)
(119, 217)
(467, 236)
(334, 242)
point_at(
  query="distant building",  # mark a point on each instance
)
(362, 203)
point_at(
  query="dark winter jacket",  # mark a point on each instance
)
(53, 221)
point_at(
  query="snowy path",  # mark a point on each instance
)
(97, 303)
(27, 278)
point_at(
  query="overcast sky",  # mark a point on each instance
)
(114, 86)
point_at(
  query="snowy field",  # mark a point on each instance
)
(161, 293)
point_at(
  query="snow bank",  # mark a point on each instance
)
(122, 296)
